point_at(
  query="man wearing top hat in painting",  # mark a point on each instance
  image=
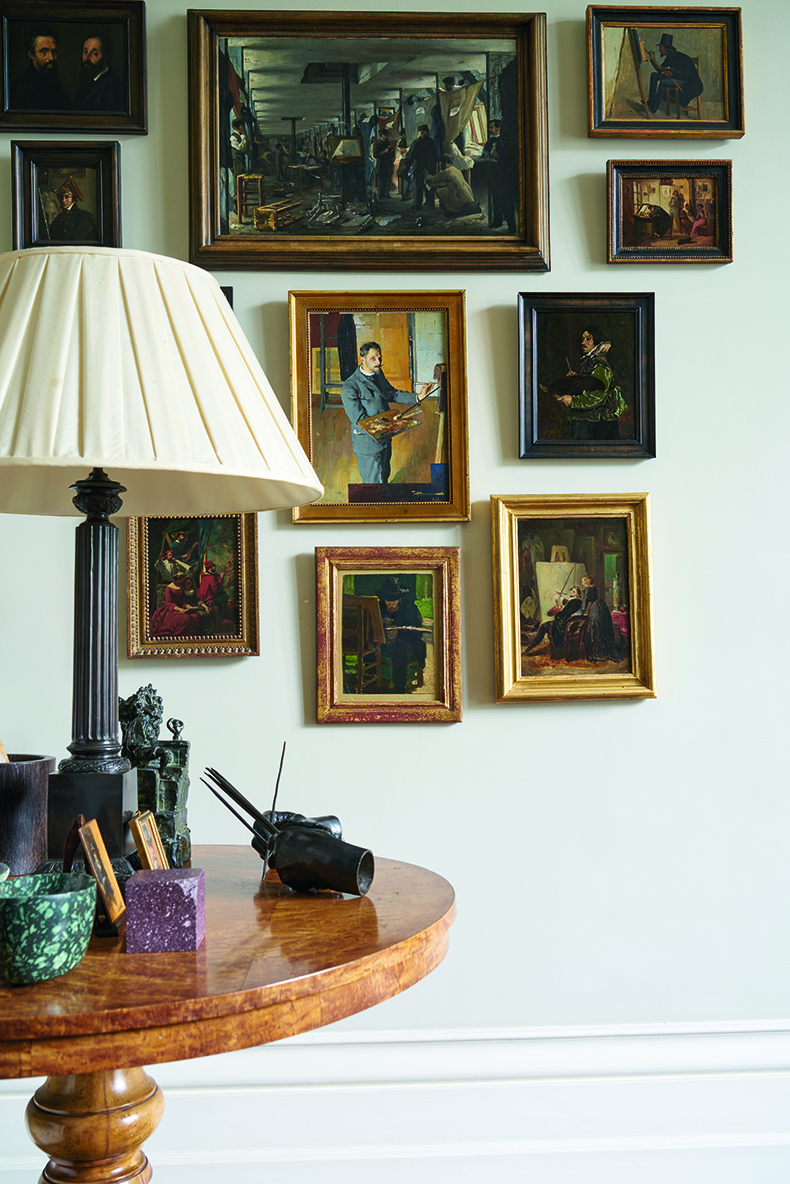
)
(403, 630)
(674, 69)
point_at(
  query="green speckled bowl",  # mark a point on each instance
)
(45, 925)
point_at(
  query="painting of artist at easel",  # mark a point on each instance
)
(380, 406)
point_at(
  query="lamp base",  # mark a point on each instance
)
(110, 798)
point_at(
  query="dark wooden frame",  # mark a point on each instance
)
(27, 157)
(620, 171)
(19, 20)
(511, 684)
(455, 506)
(642, 308)
(335, 706)
(140, 643)
(527, 250)
(666, 20)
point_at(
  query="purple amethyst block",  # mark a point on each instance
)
(165, 910)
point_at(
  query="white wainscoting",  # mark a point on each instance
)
(686, 1104)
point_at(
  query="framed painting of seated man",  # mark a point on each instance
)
(379, 404)
(664, 72)
(572, 597)
(192, 586)
(388, 634)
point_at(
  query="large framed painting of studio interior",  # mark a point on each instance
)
(586, 375)
(362, 140)
(572, 615)
(378, 397)
(668, 72)
(388, 634)
(192, 586)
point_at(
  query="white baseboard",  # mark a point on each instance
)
(690, 1104)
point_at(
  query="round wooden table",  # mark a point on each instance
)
(273, 963)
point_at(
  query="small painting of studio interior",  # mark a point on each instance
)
(574, 596)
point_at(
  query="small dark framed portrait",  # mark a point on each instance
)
(66, 194)
(671, 72)
(586, 376)
(73, 67)
(669, 211)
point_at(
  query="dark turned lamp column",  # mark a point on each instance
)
(95, 780)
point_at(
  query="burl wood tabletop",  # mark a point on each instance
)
(273, 963)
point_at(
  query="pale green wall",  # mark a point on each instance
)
(613, 862)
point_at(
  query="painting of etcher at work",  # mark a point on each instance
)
(379, 404)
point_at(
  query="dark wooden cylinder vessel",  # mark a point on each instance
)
(23, 811)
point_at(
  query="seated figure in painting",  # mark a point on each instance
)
(559, 616)
(403, 631)
(179, 616)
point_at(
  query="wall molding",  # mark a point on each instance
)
(346, 1099)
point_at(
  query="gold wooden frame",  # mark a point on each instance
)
(511, 683)
(454, 507)
(245, 642)
(334, 705)
(148, 841)
(99, 862)
(212, 244)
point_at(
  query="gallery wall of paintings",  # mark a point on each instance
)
(622, 417)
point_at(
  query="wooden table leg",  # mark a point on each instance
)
(93, 1125)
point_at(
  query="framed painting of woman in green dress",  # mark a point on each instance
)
(586, 376)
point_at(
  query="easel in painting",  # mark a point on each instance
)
(638, 56)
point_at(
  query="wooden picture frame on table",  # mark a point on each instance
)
(669, 211)
(148, 841)
(665, 72)
(66, 194)
(100, 864)
(299, 184)
(192, 586)
(382, 461)
(388, 622)
(73, 67)
(572, 601)
(587, 375)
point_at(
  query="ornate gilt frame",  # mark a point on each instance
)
(454, 507)
(334, 705)
(245, 642)
(511, 684)
(527, 249)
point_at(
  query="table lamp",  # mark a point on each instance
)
(135, 364)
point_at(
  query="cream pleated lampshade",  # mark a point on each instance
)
(135, 363)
